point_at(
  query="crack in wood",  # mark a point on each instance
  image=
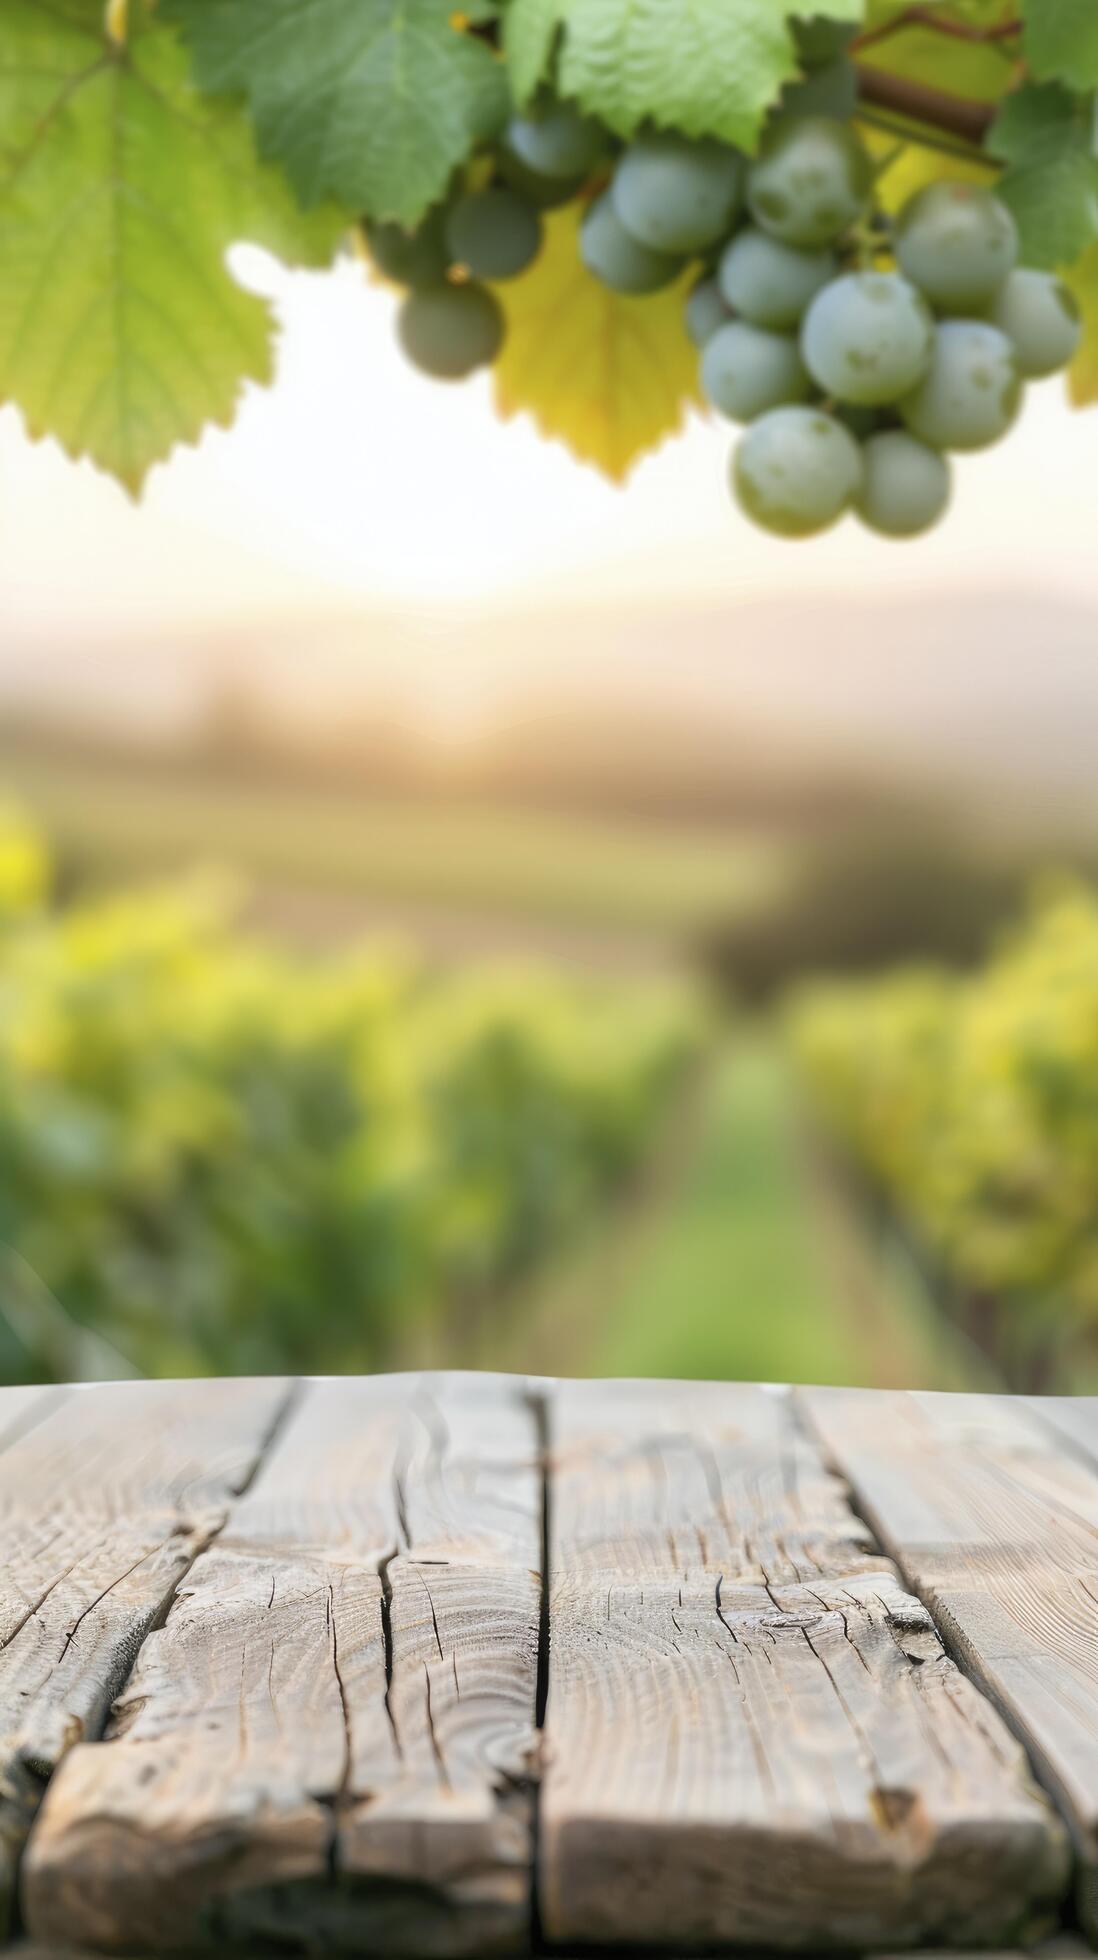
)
(386, 1607)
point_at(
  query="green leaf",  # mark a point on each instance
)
(372, 102)
(1044, 135)
(1061, 41)
(121, 331)
(707, 67)
(529, 30)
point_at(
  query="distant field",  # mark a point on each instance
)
(406, 860)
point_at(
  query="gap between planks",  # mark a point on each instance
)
(753, 1735)
(344, 1689)
(989, 1505)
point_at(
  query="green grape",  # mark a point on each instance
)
(810, 182)
(554, 139)
(544, 193)
(957, 243)
(906, 485)
(867, 338)
(971, 392)
(413, 258)
(449, 330)
(831, 90)
(769, 283)
(614, 256)
(796, 471)
(493, 233)
(1039, 316)
(745, 371)
(673, 195)
(705, 311)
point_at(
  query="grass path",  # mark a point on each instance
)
(735, 1262)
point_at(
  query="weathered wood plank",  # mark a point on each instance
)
(332, 1735)
(996, 1526)
(1074, 1418)
(753, 1736)
(104, 1502)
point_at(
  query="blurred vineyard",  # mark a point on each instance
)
(968, 1107)
(216, 1155)
(222, 1151)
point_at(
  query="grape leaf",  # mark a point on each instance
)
(707, 67)
(607, 375)
(1083, 374)
(1061, 41)
(1044, 134)
(529, 30)
(372, 102)
(121, 331)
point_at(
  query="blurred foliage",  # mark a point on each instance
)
(972, 1102)
(858, 905)
(216, 1156)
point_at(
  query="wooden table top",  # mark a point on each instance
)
(465, 1665)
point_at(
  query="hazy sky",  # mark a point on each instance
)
(356, 480)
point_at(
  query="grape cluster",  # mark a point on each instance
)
(450, 321)
(859, 354)
(859, 351)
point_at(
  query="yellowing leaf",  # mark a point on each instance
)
(607, 375)
(1083, 373)
(914, 167)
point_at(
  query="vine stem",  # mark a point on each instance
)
(955, 114)
(905, 134)
(921, 16)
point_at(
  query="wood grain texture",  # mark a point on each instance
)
(995, 1523)
(107, 1493)
(753, 1736)
(331, 1738)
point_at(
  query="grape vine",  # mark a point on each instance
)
(857, 227)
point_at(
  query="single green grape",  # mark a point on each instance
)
(705, 311)
(810, 181)
(449, 330)
(555, 139)
(956, 242)
(795, 471)
(419, 257)
(970, 393)
(673, 195)
(747, 370)
(769, 283)
(905, 487)
(867, 338)
(493, 233)
(616, 258)
(1040, 318)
